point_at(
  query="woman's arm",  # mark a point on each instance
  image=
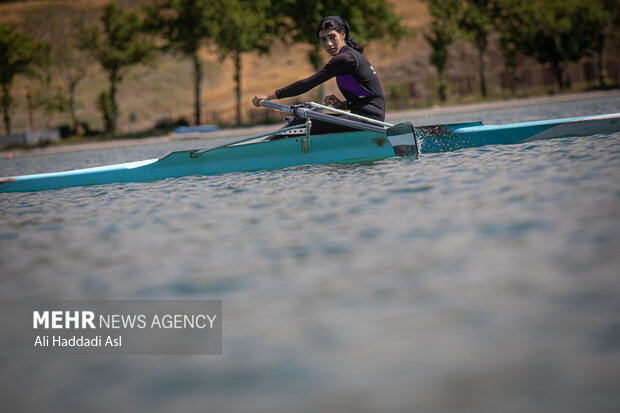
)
(294, 89)
(339, 64)
(304, 85)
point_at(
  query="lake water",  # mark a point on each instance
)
(480, 280)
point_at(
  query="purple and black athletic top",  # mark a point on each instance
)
(356, 79)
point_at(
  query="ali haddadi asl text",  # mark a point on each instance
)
(78, 341)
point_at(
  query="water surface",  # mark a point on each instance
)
(480, 280)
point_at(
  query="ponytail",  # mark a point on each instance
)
(359, 47)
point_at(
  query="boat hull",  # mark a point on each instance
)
(450, 137)
(350, 147)
(342, 148)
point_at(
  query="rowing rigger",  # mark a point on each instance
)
(366, 141)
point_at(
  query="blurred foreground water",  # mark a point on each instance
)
(481, 280)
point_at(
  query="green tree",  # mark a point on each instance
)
(19, 54)
(369, 20)
(475, 20)
(608, 14)
(186, 26)
(555, 32)
(244, 26)
(105, 105)
(61, 34)
(122, 46)
(442, 34)
(511, 59)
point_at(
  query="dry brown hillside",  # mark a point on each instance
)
(164, 91)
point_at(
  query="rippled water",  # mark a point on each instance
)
(483, 279)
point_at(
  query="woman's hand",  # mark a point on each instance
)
(257, 99)
(335, 102)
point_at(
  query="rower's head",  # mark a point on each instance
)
(333, 33)
(331, 37)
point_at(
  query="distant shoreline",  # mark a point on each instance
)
(501, 104)
(251, 130)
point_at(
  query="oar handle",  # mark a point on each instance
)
(277, 106)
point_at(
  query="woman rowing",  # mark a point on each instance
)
(357, 80)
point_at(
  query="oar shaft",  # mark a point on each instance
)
(277, 106)
(307, 113)
(349, 114)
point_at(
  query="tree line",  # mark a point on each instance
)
(123, 38)
(554, 32)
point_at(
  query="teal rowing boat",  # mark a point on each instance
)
(367, 140)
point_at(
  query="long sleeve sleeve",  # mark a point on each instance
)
(339, 64)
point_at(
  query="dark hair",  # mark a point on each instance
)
(338, 24)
